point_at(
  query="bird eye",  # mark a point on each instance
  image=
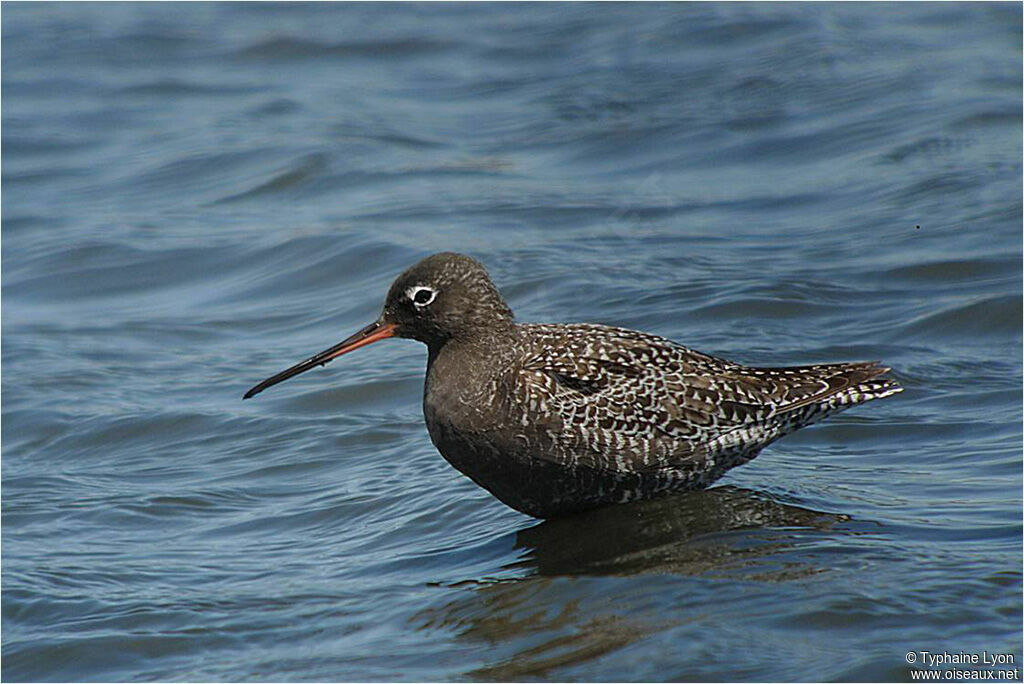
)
(421, 296)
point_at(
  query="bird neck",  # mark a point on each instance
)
(484, 341)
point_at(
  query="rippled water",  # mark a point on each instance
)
(196, 196)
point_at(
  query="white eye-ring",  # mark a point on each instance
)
(421, 295)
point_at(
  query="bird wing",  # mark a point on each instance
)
(611, 398)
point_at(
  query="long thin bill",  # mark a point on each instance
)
(371, 333)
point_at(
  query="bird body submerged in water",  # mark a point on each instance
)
(553, 419)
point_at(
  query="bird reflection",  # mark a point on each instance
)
(569, 606)
(685, 534)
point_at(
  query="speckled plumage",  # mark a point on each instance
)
(553, 419)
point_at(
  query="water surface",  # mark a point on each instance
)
(196, 196)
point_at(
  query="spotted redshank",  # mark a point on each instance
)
(553, 419)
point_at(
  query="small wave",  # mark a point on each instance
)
(173, 87)
(978, 319)
(278, 49)
(299, 172)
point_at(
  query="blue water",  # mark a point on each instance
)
(196, 196)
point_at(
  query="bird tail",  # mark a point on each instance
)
(836, 386)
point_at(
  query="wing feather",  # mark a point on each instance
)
(618, 399)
